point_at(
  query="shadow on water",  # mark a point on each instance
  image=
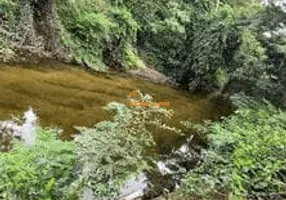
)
(65, 96)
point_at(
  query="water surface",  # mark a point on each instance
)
(66, 96)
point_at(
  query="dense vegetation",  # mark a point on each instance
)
(93, 166)
(202, 44)
(245, 158)
(42, 172)
(224, 45)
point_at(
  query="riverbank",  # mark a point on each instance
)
(144, 73)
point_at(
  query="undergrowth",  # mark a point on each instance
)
(245, 158)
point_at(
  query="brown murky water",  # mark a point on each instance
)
(66, 96)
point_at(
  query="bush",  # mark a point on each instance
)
(43, 171)
(114, 151)
(94, 165)
(245, 159)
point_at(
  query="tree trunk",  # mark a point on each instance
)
(45, 23)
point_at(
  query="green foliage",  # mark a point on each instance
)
(8, 13)
(271, 23)
(113, 151)
(120, 51)
(143, 11)
(194, 41)
(203, 44)
(8, 8)
(221, 78)
(6, 53)
(41, 172)
(131, 60)
(245, 157)
(96, 33)
(252, 67)
(215, 43)
(95, 164)
(251, 51)
(163, 40)
(221, 38)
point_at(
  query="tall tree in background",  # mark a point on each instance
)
(272, 34)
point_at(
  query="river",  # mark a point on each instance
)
(65, 96)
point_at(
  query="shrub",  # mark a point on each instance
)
(43, 171)
(113, 151)
(245, 159)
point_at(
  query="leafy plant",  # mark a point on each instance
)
(245, 157)
(43, 171)
(114, 151)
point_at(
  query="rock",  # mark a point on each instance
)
(163, 169)
(28, 129)
(134, 188)
(7, 131)
(152, 75)
(164, 178)
(192, 86)
(25, 132)
(87, 194)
